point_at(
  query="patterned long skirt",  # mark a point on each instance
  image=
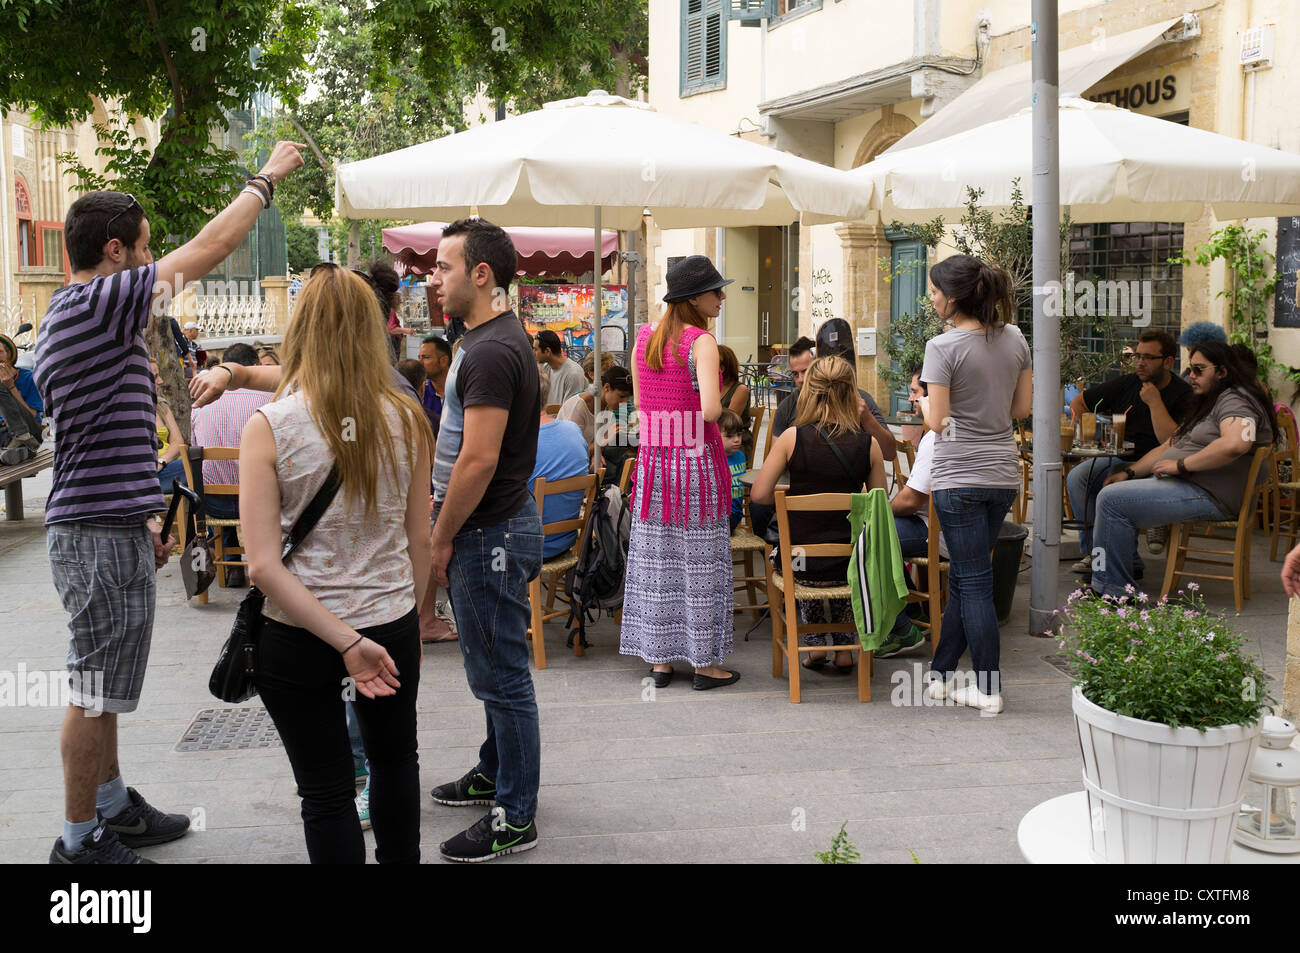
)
(678, 598)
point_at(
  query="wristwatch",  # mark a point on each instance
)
(1182, 466)
(1132, 475)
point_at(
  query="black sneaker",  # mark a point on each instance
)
(142, 825)
(489, 837)
(100, 846)
(473, 788)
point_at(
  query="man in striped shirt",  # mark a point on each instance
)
(105, 545)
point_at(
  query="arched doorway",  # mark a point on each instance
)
(27, 253)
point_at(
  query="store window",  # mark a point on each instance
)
(704, 46)
(1137, 255)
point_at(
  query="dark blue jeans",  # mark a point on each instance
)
(971, 518)
(489, 573)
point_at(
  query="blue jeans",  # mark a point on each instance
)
(971, 518)
(489, 573)
(1125, 507)
(1083, 484)
(913, 537)
(169, 474)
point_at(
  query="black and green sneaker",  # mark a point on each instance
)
(897, 646)
(489, 837)
(473, 788)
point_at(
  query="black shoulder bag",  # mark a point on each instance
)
(234, 677)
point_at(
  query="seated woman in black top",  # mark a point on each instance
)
(826, 451)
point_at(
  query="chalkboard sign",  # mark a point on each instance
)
(1285, 312)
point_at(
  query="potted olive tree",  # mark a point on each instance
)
(1168, 709)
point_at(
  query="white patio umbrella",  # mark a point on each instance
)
(1116, 166)
(599, 160)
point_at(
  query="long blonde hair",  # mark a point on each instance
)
(669, 331)
(335, 353)
(829, 397)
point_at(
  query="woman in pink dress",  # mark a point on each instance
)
(677, 603)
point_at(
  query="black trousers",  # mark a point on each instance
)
(302, 683)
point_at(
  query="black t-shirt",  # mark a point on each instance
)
(494, 367)
(1126, 392)
(783, 419)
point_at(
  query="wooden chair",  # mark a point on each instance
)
(1181, 535)
(757, 425)
(905, 452)
(221, 552)
(767, 444)
(747, 547)
(935, 595)
(553, 570)
(1285, 491)
(786, 592)
(625, 477)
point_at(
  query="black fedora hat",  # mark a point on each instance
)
(692, 276)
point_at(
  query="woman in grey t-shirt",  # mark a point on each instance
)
(1198, 474)
(979, 378)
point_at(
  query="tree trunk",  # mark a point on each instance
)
(162, 348)
(354, 244)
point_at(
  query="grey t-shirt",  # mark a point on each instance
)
(1226, 484)
(976, 446)
(566, 380)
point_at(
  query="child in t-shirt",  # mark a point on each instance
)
(733, 430)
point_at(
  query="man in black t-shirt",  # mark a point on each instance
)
(1154, 401)
(487, 534)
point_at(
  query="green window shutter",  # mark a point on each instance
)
(704, 45)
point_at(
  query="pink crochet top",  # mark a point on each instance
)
(674, 436)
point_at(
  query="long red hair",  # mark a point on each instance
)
(669, 331)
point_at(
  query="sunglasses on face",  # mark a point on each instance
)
(134, 203)
(1148, 358)
(1196, 370)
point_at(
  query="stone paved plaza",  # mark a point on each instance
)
(736, 775)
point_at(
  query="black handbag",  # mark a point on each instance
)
(234, 677)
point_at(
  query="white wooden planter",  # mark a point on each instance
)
(1161, 795)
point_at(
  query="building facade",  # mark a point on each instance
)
(841, 81)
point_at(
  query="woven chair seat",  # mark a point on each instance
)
(813, 592)
(1289, 485)
(924, 561)
(562, 563)
(742, 540)
(219, 521)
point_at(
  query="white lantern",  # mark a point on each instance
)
(1267, 819)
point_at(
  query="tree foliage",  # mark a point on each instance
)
(1089, 346)
(188, 62)
(301, 242)
(525, 52)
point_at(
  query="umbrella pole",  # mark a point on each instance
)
(1047, 327)
(597, 309)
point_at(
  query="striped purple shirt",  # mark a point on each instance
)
(92, 369)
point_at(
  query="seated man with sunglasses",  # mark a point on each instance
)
(1155, 401)
(1198, 474)
(105, 545)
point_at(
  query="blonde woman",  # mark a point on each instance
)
(341, 618)
(826, 451)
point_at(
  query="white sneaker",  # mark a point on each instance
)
(972, 697)
(937, 689)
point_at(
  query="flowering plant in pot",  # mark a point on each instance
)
(1167, 706)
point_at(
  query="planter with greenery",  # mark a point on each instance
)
(1167, 706)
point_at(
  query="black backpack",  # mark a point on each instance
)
(595, 584)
